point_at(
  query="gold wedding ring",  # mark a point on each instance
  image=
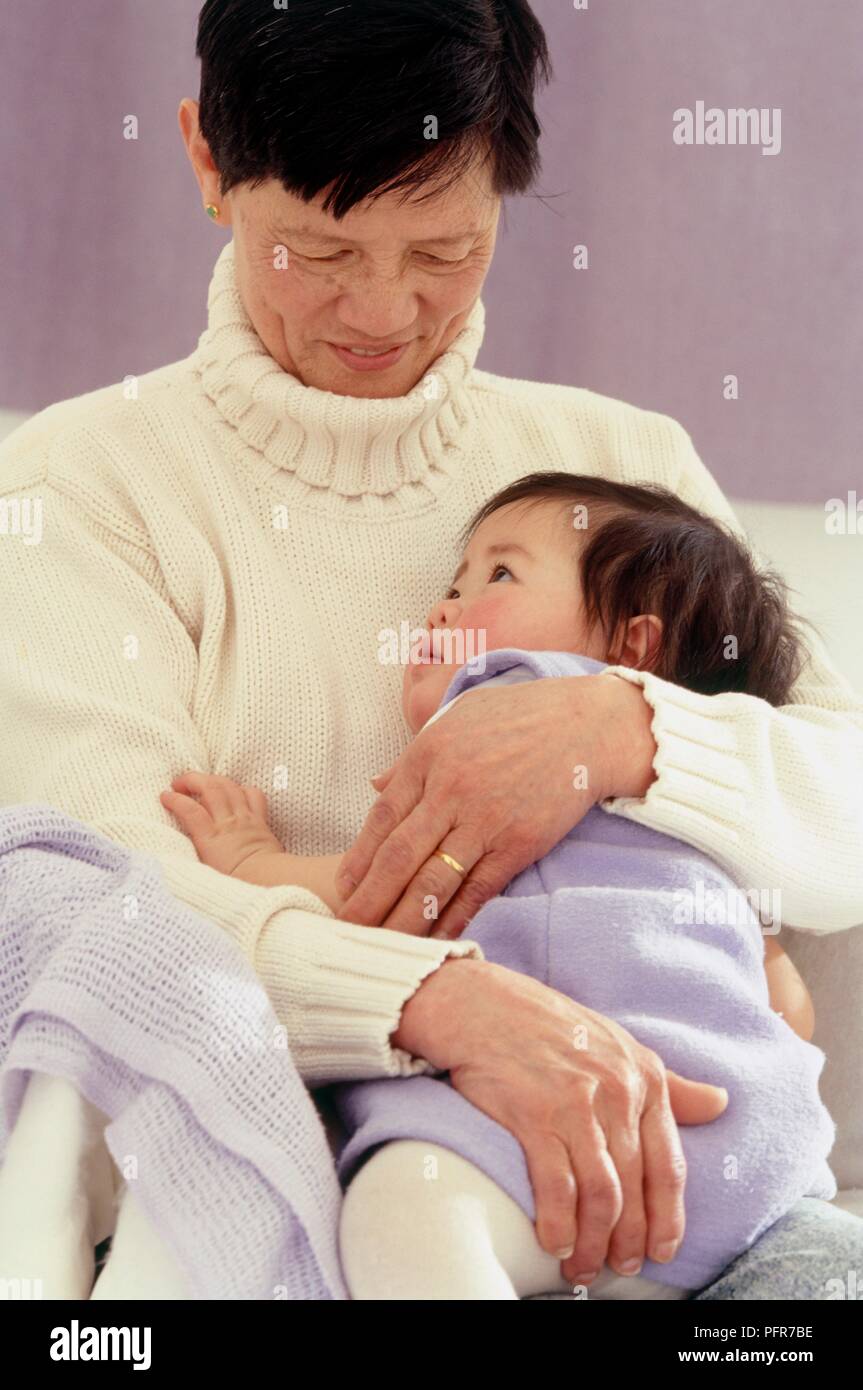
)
(448, 859)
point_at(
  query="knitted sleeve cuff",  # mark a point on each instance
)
(702, 785)
(340, 989)
(337, 988)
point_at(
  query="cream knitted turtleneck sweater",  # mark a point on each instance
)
(219, 554)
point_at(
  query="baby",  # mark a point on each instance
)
(562, 574)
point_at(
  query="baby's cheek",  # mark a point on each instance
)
(423, 694)
(493, 621)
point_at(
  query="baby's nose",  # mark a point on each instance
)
(444, 614)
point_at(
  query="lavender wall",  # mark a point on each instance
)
(704, 260)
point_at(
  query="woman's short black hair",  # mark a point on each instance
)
(370, 96)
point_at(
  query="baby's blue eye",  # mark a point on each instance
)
(498, 569)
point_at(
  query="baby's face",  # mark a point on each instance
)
(517, 586)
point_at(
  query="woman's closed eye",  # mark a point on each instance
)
(339, 255)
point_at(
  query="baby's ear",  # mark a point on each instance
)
(641, 642)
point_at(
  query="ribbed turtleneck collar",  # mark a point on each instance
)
(351, 445)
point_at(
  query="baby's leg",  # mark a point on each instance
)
(417, 1223)
(56, 1191)
(139, 1265)
(421, 1222)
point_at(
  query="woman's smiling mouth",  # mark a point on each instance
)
(369, 359)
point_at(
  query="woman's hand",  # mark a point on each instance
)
(226, 823)
(595, 1112)
(495, 783)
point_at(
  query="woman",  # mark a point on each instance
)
(297, 483)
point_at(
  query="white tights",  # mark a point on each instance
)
(418, 1221)
(61, 1195)
(421, 1222)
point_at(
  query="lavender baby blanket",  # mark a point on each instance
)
(159, 1020)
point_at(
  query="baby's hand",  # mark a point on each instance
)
(226, 823)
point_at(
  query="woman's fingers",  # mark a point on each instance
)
(664, 1179)
(403, 793)
(476, 772)
(600, 1198)
(628, 1244)
(677, 1101)
(554, 1192)
(381, 779)
(488, 878)
(694, 1102)
(507, 1042)
(437, 881)
(434, 880)
(406, 871)
(578, 1196)
(404, 884)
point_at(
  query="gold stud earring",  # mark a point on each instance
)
(212, 210)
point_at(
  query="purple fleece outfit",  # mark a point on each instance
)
(599, 919)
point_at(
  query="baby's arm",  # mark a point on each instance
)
(228, 825)
(788, 994)
(317, 872)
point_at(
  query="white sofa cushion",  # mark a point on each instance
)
(826, 571)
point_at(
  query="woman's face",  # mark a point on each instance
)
(388, 274)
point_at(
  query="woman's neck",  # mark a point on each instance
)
(351, 445)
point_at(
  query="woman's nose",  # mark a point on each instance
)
(386, 309)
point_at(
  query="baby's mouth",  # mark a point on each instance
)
(434, 650)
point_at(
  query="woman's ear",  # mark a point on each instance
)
(639, 645)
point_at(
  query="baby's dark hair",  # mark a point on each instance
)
(646, 551)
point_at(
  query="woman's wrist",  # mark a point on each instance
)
(630, 748)
(430, 1020)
